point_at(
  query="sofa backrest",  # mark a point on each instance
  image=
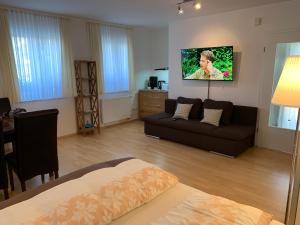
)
(170, 106)
(243, 115)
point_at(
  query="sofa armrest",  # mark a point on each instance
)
(170, 106)
(244, 115)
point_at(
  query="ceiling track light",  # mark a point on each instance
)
(180, 10)
(196, 3)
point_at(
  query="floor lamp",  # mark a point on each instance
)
(287, 93)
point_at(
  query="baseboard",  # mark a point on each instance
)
(273, 149)
(221, 154)
(67, 135)
(118, 122)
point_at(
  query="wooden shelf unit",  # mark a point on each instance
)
(86, 101)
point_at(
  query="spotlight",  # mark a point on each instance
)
(197, 5)
(180, 10)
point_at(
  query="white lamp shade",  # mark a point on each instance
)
(287, 92)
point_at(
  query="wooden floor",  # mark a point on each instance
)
(259, 177)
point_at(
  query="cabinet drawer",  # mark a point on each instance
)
(154, 109)
(151, 102)
(150, 95)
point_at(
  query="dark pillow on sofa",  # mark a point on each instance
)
(196, 111)
(226, 106)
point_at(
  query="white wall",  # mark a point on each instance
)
(66, 118)
(150, 52)
(142, 55)
(237, 29)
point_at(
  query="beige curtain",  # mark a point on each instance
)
(68, 77)
(8, 73)
(132, 86)
(93, 30)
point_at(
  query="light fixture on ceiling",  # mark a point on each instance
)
(197, 5)
(180, 10)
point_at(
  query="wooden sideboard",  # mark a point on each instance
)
(151, 102)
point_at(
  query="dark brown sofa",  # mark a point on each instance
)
(235, 134)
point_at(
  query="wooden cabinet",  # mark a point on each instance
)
(151, 102)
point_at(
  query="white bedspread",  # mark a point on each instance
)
(160, 206)
(110, 194)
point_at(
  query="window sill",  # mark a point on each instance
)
(116, 95)
(45, 100)
(283, 128)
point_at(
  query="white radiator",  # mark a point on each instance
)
(117, 109)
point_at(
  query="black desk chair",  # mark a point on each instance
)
(35, 146)
(3, 170)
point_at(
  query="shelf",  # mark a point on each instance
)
(85, 78)
(87, 101)
(87, 96)
(86, 112)
(86, 130)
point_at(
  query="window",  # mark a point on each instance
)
(281, 116)
(115, 59)
(37, 52)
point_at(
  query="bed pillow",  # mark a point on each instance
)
(98, 197)
(212, 116)
(183, 111)
(227, 108)
(196, 111)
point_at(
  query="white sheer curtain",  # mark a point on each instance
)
(8, 74)
(93, 31)
(68, 73)
(115, 54)
(37, 51)
(281, 116)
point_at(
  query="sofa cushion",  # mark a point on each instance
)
(156, 117)
(182, 111)
(231, 132)
(212, 116)
(186, 125)
(196, 111)
(170, 106)
(226, 106)
(234, 132)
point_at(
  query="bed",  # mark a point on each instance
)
(125, 192)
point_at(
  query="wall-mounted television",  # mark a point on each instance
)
(214, 63)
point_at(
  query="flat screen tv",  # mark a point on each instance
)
(207, 63)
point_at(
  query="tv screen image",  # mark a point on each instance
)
(213, 63)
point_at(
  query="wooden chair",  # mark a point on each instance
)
(4, 106)
(35, 150)
(3, 170)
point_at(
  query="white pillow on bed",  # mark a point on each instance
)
(212, 116)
